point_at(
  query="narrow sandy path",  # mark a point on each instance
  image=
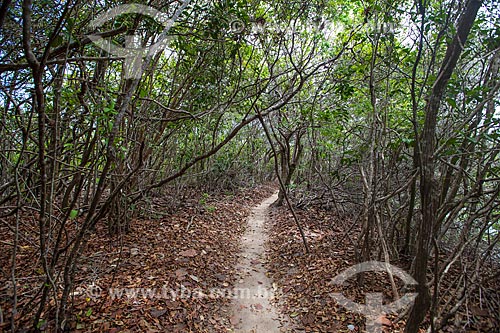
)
(252, 308)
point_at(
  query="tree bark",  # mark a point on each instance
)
(3, 11)
(428, 201)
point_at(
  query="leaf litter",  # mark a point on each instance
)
(159, 277)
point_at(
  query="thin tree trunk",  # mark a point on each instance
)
(428, 201)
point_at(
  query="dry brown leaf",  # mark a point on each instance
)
(188, 253)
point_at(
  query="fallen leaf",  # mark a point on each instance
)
(180, 273)
(384, 321)
(158, 313)
(188, 253)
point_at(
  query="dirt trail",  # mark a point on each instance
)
(252, 310)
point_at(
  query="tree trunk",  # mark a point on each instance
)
(428, 201)
(289, 162)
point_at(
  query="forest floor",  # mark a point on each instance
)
(181, 277)
(306, 278)
(171, 273)
(185, 269)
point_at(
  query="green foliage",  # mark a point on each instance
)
(73, 214)
(204, 198)
(326, 77)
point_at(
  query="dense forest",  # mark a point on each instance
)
(379, 118)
